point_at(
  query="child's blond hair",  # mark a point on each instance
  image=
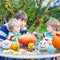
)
(54, 23)
(13, 22)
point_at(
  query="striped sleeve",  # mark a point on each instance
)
(3, 32)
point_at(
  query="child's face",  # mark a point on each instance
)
(22, 22)
(50, 29)
(16, 29)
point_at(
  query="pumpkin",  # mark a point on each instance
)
(31, 46)
(27, 38)
(6, 44)
(56, 41)
(15, 46)
(43, 45)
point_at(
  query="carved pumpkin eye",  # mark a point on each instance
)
(44, 43)
(40, 43)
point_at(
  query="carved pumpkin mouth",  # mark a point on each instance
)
(15, 47)
(42, 46)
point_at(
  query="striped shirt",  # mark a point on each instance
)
(4, 30)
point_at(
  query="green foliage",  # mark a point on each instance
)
(31, 14)
(56, 15)
(17, 5)
(43, 27)
(30, 8)
(2, 11)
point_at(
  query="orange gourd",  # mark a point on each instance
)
(15, 46)
(31, 46)
(27, 38)
(56, 41)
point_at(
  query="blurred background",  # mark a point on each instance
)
(38, 11)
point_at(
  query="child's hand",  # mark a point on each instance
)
(36, 34)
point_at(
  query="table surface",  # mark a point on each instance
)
(42, 55)
(51, 52)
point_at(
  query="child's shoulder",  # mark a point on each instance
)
(4, 26)
(49, 35)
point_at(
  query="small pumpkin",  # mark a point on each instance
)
(56, 41)
(6, 44)
(15, 46)
(43, 45)
(31, 46)
(27, 38)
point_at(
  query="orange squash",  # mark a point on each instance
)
(26, 39)
(56, 41)
(15, 46)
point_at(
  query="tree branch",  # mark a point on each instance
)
(37, 14)
(44, 15)
(48, 5)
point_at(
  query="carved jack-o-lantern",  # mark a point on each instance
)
(6, 44)
(15, 46)
(56, 41)
(31, 46)
(43, 45)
